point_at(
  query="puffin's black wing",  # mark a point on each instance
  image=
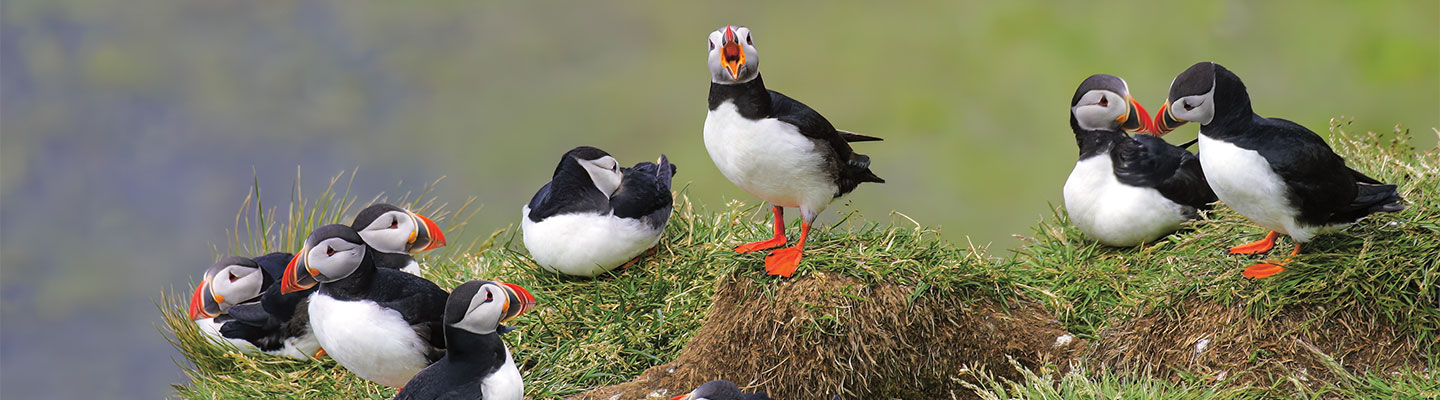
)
(1324, 189)
(548, 201)
(273, 264)
(1148, 161)
(644, 193)
(855, 167)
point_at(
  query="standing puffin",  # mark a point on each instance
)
(594, 216)
(382, 324)
(1274, 172)
(231, 282)
(720, 390)
(396, 233)
(775, 147)
(1126, 190)
(477, 364)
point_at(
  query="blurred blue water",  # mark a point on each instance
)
(129, 131)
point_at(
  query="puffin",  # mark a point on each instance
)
(774, 147)
(380, 323)
(720, 389)
(594, 216)
(1277, 173)
(232, 281)
(1124, 190)
(396, 233)
(477, 364)
(278, 324)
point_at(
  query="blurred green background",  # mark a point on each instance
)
(130, 129)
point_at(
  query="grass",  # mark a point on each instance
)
(590, 333)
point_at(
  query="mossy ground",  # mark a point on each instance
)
(1138, 313)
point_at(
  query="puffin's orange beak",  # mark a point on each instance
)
(429, 236)
(517, 301)
(293, 280)
(732, 57)
(681, 397)
(197, 303)
(1164, 122)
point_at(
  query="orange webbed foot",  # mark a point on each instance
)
(761, 245)
(783, 262)
(1257, 247)
(1262, 270)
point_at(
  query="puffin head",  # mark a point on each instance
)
(391, 229)
(713, 390)
(231, 281)
(732, 56)
(331, 253)
(600, 168)
(1103, 103)
(480, 306)
(1191, 99)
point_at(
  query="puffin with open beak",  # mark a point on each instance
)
(774, 147)
(594, 215)
(1124, 190)
(397, 233)
(720, 390)
(228, 283)
(477, 364)
(382, 324)
(1277, 173)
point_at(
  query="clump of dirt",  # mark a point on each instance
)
(823, 335)
(1220, 342)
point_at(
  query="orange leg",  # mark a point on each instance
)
(777, 241)
(1258, 246)
(1270, 268)
(319, 353)
(636, 260)
(783, 262)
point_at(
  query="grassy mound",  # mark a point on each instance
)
(891, 311)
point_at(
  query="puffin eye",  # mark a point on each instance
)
(712, 45)
(489, 297)
(1104, 101)
(394, 223)
(329, 251)
(1187, 105)
(749, 41)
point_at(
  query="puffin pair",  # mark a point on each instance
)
(375, 320)
(1277, 173)
(595, 215)
(232, 282)
(1124, 190)
(477, 364)
(774, 147)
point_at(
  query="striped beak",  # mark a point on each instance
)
(427, 235)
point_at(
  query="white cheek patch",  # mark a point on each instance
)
(1201, 108)
(604, 173)
(1090, 115)
(339, 265)
(483, 318)
(385, 239)
(246, 286)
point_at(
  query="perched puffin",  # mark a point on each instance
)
(396, 233)
(594, 216)
(382, 324)
(278, 324)
(1126, 190)
(775, 147)
(1274, 172)
(720, 390)
(477, 364)
(230, 282)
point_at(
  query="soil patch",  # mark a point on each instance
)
(825, 335)
(1219, 342)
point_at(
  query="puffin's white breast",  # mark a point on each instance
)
(769, 159)
(585, 244)
(1244, 180)
(505, 383)
(372, 341)
(211, 330)
(1116, 214)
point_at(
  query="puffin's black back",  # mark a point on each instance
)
(273, 265)
(644, 193)
(1321, 186)
(570, 189)
(1149, 161)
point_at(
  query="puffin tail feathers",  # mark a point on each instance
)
(852, 137)
(1370, 199)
